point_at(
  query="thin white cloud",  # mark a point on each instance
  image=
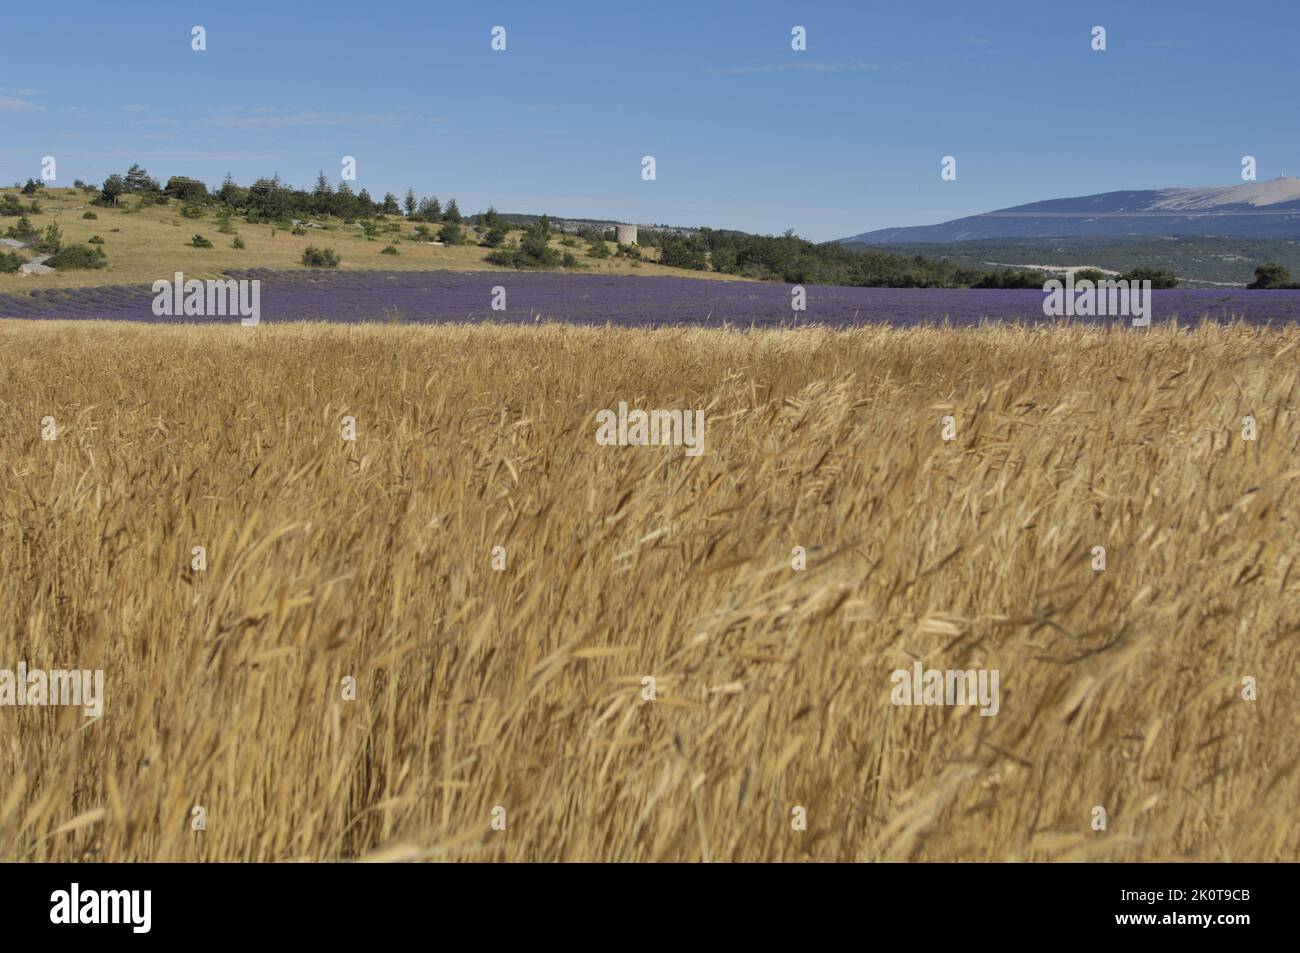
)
(798, 68)
(17, 104)
(242, 109)
(263, 117)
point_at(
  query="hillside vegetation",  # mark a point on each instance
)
(133, 229)
(144, 241)
(1198, 262)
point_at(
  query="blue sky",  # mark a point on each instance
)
(747, 133)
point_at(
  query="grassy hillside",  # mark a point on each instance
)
(522, 688)
(143, 244)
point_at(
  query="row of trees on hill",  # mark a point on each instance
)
(272, 199)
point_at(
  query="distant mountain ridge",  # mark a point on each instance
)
(1269, 209)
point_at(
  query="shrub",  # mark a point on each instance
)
(185, 189)
(31, 188)
(568, 261)
(51, 240)
(1158, 278)
(389, 250)
(598, 249)
(24, 231)
(189, 210)
(77, 256)
(496, 235)
(9, 262)
(90, 216)
(198, 241)
(299, 230)
(237, 242)
(1271, 275)
(94, 240)
(9, 205)
(314, 257)
(452, 233)
(533, 252)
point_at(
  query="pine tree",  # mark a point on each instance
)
(410, 202)
(229, 190)
(430, 209)
(138, 180)
(114, 186)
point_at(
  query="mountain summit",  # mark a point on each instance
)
(1269, 209)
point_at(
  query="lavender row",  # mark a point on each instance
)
(428, 296)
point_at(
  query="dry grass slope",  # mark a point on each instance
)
(522, 688)
(146, 244)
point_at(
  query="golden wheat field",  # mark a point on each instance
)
(519, 693)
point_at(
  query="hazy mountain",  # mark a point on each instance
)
(1254, 209)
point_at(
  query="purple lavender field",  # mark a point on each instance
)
(441, 296)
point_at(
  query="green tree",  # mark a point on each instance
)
(452, 234)
(114, 186)
(322, 196)
(1271, 275)
(139, 180)
(231, 194)
(1159, 278)
(429, 209)
(185, 189)
(51, 241)
(496, 235)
